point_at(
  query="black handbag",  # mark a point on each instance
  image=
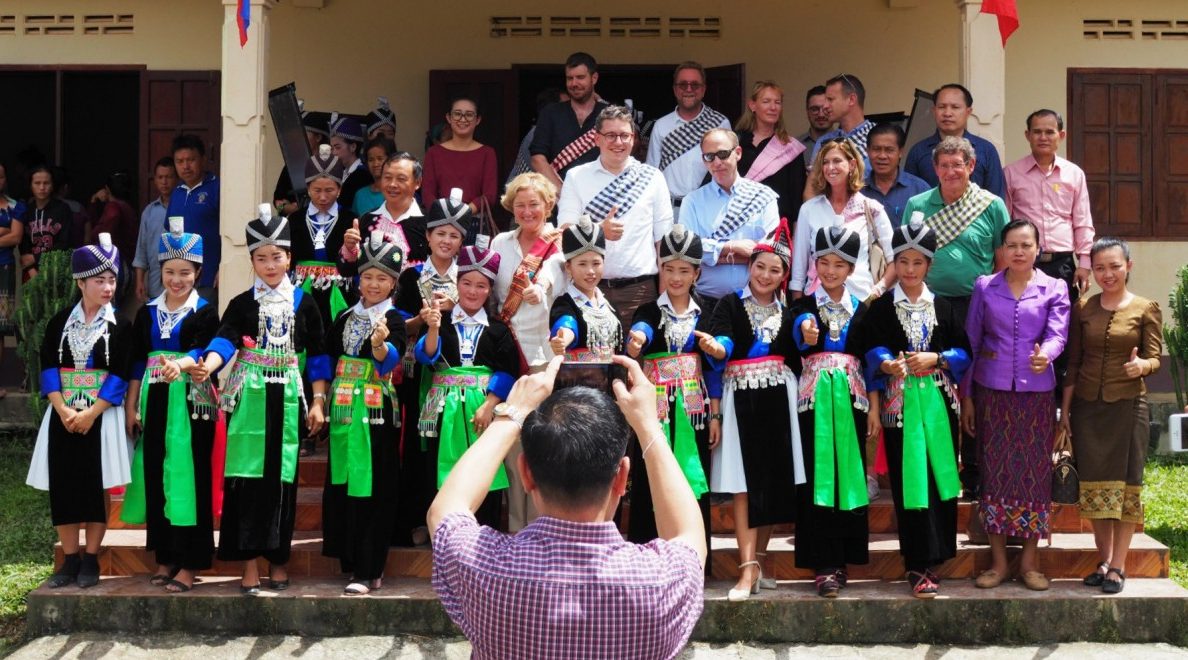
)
(1066, 483)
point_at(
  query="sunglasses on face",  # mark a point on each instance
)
(688, 85)
(722, 155)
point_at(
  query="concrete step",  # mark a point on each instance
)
(1070, 556)
(868, 612)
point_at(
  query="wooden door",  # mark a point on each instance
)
(1111, 115)
(725, 89)
(495, 92)
(1170, 148)
(173, 102)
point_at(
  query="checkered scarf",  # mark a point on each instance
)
(747, 199)
(951, 220)
(687, 135)
(624, 191)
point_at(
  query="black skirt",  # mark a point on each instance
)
(75, 475)
(765, 433)
(828, 537)
(927, 537)
(641, 523)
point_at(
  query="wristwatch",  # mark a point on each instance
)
(506, 410)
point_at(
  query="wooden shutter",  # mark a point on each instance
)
(173, 102)
(1170, 148)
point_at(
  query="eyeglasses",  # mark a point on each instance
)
(459, 115)
(688, 85)
(617, 137)
(722, 155)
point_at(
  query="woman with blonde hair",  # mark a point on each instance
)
(769, 155)
(835, 182)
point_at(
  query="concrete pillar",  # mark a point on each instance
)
(245, 128)
(983, 71)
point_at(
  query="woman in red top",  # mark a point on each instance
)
(461, 161)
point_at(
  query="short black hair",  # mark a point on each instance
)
(382, 141)
(1045, 112)
(582, 59)
(477, 110)
(418, 168)
(813, 91)
(164, 161)
(120, 185)
(38, 169)
(850, 85)
(189, 141)
(965, 93)
(1020, 223)
(892, 129)
(573, 443)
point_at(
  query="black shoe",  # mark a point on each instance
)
(253, 590)
(1095, 578)
(88, 573)
(827, 586)
(1109, 586)
(66, 574)
(277, 585)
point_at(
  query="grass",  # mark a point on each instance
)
(1166, 510)
(26, 545)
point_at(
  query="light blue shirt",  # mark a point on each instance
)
(701, 213)
(152, 225)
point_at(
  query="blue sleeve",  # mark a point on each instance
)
(797, 335)
(405, 315)
(138, 369)
(728, 344)
(958, 361)
(222, 347)
(994, 181)
(713, 384)
(317, 367)
(51, 381)
(642, 326)
(759, 349)
(113, 389)
(500, 384)
(422, 356)
(875, 378)
(390, 362)
(569, 323)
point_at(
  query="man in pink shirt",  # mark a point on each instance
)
(1052, 193)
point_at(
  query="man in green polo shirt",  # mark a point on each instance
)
(968, 221)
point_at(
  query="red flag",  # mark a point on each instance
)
(1008, 16)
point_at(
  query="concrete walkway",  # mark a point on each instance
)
(183, 647)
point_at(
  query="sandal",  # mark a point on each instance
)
(177, 586)
(922, 586)
(743, 594)
(1095, 578)
(827, 585)
(842, 577)
(356, 589)
(160, 579)
(1109, 586)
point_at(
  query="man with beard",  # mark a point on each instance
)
(565, 134)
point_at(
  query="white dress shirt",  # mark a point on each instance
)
(817, 213)
(531, 322)
(685, 174)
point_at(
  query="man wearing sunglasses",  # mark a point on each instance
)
(675, 137)
(631, 201)
(730, 214)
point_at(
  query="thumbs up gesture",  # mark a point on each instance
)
(380, 333)
(352, 237)
(433, 314)
(1039, 361)
(170, 371)
(811, 332)
(1135, 366)
(612, 227)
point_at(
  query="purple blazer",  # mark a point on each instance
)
(1003, 332)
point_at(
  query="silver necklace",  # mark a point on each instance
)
(917, 319)
(167, 320)
(677, 328)
(765, 319)
(276, 321)
(82, 336)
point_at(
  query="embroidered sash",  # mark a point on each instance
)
(819, 363)
(322, 276)
(449, 408)
(574, 150)
(747, 199)
(774, 156)
(526, 274)
(358, 403)
(951, 220)
(80, 387)
(624, 191)
(688, 135)
(677, 377)
(246, 396)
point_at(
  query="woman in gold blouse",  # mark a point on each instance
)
(1115, 339)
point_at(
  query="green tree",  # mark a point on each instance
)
(1176, 337)
(44, 295)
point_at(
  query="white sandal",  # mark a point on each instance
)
(743, 594)
(356, 589)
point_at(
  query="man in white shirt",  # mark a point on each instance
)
(730, 214)
(631, 201)
(675, 137)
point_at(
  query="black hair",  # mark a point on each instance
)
(813, 91)
(384, 142)
(892, 129)
(582, 59)
(37, 169)
(850, 85)
(189, 141)
(477, 110)
(573, 443)
(965, 93)
(1108, 243)
(418, 168)
(1045, 112)
(164, 161)
(1019, 223)
(119, 183)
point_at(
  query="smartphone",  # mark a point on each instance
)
(1177, 428)
(598, 375)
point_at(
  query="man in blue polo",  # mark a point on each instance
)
(887, 184)
(196, 198)
(952, 107)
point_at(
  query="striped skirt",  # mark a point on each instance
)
(1015, 432)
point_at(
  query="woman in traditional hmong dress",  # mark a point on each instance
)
(914, 358)
(669, 334)
(583, 325)
(359, 498)
(171, 490)
(758, 458)
(433, 281)
(832, 529)
(474, 363)
(275, 333)
(82, 449)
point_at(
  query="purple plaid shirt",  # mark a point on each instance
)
(561, 589)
